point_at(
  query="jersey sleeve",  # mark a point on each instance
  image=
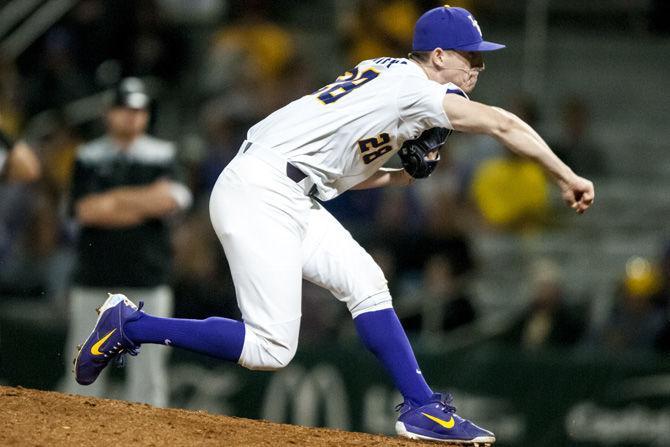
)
(420, 100)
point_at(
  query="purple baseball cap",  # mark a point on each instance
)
(450, 29)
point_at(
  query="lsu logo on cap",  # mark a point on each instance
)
(475, 24)
(472, 20)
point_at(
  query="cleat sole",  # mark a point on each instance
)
(402, 431)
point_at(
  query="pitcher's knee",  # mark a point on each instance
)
(268, 358)
(278, 359)
(264, 353)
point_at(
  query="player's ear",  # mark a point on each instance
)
(438, 57)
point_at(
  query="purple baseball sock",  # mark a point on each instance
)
(382, 333)
(217, 337)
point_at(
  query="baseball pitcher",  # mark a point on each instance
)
(266, 211)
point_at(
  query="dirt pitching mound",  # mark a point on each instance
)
(31, 418)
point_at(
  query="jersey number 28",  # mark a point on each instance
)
(344, 84)
(373, 148)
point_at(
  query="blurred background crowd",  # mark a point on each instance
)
(484, 249)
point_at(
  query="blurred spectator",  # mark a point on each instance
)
(413, 238)
(422, 254)
(39, 264)
(378, 28)
(253, 48)
(575, 145)
(510, 192)
(58, 150)
(549, 320)
(226, 118)
(18, 165)
(635, 322)
(251, 68)
(13, 204)
(125, 186)
(440, 304)
(18, 161)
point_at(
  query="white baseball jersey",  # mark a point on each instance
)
(274, 235)
(343, 133)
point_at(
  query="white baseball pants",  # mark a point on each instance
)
(274, 235)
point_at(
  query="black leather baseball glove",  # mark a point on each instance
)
(414, 154)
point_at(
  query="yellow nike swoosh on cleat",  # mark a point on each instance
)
(95, 348)
(446, 424)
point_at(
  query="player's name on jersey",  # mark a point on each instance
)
(388, 61)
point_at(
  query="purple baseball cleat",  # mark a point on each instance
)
(107, 342)
(437, 421)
